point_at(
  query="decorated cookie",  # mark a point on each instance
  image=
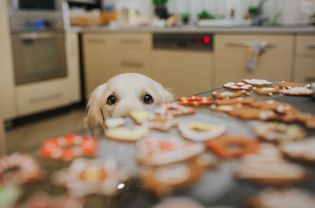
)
(233, 146)
(257, 82)
(114, 122)
(287, 85)
(249, 113)
(278, 107)
(69, 147)
(301, 150)
(228, 94)
(298, 91)
(179, 202)
(267, 90)
(162, 123)
(140, 116)
(43, 200)
(269, 168)
(85, 177)
(280, 198)
(235, 101)
(238, 86)
(307, 119)
(222, 108)
(166, 150)
(174, 109)
(278, 132)
(195, 101)
(127, 134)
(200, 131)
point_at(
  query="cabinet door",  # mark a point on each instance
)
(99, 59)
(185, 73)
(231, 53)
(304, 70)
(305, 45)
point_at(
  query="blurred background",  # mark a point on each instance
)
(55, 52)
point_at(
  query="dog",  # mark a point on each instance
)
(122, 94)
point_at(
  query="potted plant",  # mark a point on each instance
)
(185, 17)
(161, 9)
(204, 15)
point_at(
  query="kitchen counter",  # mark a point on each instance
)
(192, 29)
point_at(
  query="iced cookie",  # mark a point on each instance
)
(19, 169)
(127, 134)
(257, 82)
(266, 90)
(140, 116)
(114, 122)
(86, 177)
(233, 146)
(287, 85)
(301, 150)
(195, 101)
(166, 150)
(162, 123)
(278, 132)
(235, 101)
(69, 147)
(298, 91)
(249, 113)
(237, 86)
(278, 107)
(200, 131)
(228, 94)
(174, 109)
(282, 198)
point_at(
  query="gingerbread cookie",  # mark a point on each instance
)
(249, 113)
(195, 101)
(179, 202)
(281, 198)
(257, 82)
(287, 85)
(235, 101)
(174, 109)
(69, 147)
(233, 146)
(228, 94)
(278, 132)
(127, 134)
(297, 91)
(18, 169)
(162, 123)
(237, 86)
(166, 150)
(266, 90)
(114, 122)
(269, 168)
(200, 131)
(222, 108)
(85, 177)
(278, 107)
(301, 150)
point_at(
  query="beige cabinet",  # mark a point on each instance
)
(304, 69)
(183, 72)
(231, 54)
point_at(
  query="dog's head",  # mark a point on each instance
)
(122, 94)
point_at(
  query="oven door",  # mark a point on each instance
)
(39, 56)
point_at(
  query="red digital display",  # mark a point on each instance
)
(206, 39)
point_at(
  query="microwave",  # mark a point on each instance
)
(36, 5)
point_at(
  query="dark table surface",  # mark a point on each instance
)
(216, 187)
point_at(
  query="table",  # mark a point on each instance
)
(216, 187)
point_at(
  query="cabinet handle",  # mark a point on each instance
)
(96, 40)
(309, 79)
(130, 41)
(132, 64)
(43, 98)
(311, 46)
(247, 44)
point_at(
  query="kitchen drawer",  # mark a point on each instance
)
(138, 61)
(134, 41)
(32, 98)
(304, 70)
(231, 54)
(99, 39)
(305, 45)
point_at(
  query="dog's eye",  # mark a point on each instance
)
(148, 99)
(111, 100)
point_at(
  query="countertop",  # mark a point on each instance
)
(290, 30)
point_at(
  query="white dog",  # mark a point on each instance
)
(122, 94)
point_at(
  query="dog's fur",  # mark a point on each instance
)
(129, 88)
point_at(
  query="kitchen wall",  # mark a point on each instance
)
(291, 11)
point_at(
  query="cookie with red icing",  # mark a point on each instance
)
(195, 101)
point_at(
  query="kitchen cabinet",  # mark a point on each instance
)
(231, 53)
(183, 72)
(304, 69)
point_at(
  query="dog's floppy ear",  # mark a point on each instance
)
(95, 115)
(166, 96)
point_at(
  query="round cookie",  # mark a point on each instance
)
(257, 82)
(228, 94)
(278, 132)
(301, 150)
(200, 131)
(237, 86)
(127, 134)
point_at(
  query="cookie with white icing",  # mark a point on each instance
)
(237, 86)
(287, 85)
(114, 122)
(297, 91)
(174, 109)
(300, 150)
(228, 94)
(257, 82)
(266, 90)
(127, 134)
